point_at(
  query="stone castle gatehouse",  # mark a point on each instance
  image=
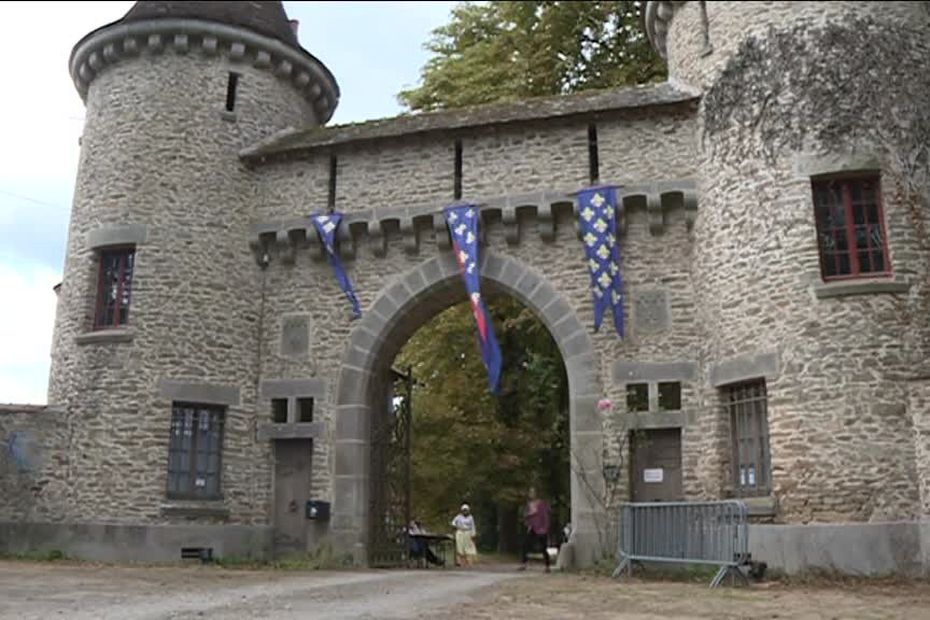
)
(207, 379)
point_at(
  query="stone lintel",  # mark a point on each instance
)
(807, 165)
(870, 286)
(287, 388)
(297, 430)
(207, 393)
(659, 419)
(762, 365)
(627, 371)
(125, 234)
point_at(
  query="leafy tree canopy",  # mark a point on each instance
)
(468, 445)
(504, 51)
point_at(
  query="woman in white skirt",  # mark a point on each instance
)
(464, 524)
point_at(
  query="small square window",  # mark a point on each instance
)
(637, 397)
(279, 410)
(305, 409)
(670, 396)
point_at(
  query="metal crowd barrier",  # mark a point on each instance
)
(714, 533)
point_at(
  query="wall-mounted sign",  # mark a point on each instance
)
(653, 475)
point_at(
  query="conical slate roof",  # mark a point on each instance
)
(267, 18)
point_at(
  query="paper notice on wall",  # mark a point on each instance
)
(653, 475)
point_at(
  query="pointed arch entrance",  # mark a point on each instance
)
(401, 308)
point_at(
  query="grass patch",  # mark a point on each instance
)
(322, 558)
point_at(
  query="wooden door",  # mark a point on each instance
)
(656, 467)
(292, 459)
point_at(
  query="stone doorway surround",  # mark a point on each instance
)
(401, 308)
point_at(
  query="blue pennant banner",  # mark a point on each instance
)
(463, 226)
(327, 225)
(597, 209)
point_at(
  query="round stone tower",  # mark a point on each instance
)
(811, 247)
(160, 301)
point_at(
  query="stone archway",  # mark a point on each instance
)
(400, 309)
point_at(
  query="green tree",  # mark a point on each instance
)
(505, 51)
(468, 445)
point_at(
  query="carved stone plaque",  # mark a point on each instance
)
(650, 311)
(295, 336)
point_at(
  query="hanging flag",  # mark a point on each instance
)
(597, 208)
(463, 226)
(327, 225)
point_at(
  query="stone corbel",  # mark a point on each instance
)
(689, 201)
(443, 241)
(285, 247)
(511, 224)
(545, 222)
(317, 251)
(654, 211)
(345, 241)
(408, 231)
(621, 216)
(377, 240)
(260, 244)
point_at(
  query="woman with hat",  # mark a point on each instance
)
(464, 524)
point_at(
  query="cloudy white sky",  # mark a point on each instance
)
(373, 48)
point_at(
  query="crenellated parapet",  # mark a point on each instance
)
(121, 41)
(519, 214)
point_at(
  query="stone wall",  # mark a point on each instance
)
(537, 157)
(159, 157)
(806, 96)
(35, 461)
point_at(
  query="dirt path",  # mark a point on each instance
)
(41, 591)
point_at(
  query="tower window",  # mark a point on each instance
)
(746, 406)
(194, 451)
(850, 229)
(594, 166)
(670, 396)
(279, 410)
(231, 91)
(114, 286)
(637, 397)
(305, 410)
(333, 171)
(457, 175)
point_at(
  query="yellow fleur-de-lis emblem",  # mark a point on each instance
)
(603, 252)
(600, 226)
(609, 212)
(590, 240)
(598, 200)
(604, 280)
(613, 269)
(587, 214)
(615, 296)
(597, 291)
(593, 265)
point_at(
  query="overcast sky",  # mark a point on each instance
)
(373, 48)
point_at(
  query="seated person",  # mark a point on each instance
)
(419, 547)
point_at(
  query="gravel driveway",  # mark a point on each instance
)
(74, 591)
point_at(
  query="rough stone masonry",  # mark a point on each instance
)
(205, 147)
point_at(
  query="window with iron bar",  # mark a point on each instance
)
(195, 450)
(747, 407)
(114, 286)
(850, 230)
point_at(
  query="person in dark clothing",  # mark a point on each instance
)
(536, 519)
(419, 548)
